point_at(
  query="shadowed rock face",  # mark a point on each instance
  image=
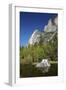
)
(52, 25)
(44, 65)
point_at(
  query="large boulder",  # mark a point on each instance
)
(44, 65)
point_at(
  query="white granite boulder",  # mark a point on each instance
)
(44, 65)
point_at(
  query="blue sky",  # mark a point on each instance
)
(29, 21)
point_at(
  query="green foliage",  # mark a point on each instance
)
(35, 53)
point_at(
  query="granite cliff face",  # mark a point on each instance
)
(50, 30)
(35, 37)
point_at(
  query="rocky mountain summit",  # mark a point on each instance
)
(50, 30)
